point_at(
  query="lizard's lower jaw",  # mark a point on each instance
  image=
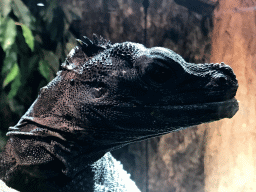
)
(227, 109)
(194, 114)
(155, 119)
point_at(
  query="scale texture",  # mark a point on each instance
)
(104, 97)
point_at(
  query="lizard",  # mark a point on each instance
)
(106, 96)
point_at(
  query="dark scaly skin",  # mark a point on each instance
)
(106, 96)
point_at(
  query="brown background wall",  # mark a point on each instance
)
(230, 153)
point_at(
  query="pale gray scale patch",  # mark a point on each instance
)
(110, 176)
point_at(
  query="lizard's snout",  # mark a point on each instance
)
(223, 78)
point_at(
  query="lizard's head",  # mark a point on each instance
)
(108, 95)
(123, 92)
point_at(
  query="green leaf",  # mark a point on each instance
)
(16, 107)
(44, 69)
(23, 13)
(72, 13)
(52, 59)
(11, 75)
(14, 87)
(72, 42)
(56, 25)
(33, 62)
(49, 13)
(59, 50)
(7, 33)
(29, 38)
(5, 7)
(9, 61)
(3, 141)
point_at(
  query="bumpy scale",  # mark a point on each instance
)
(104, 97)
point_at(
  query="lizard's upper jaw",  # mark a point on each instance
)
(201, 106)
(202, 93)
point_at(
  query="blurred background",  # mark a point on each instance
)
(36, 36)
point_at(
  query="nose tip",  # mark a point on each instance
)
(217, 80)
(223, 78)
(225, 69)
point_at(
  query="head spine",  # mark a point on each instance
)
(93, 47)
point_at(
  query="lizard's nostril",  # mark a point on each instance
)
(217, 81)
(222, 80)
(225, 69)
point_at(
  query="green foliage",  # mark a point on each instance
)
(22, 12)
(5, 7)
(7, 33)
(44, 69)
(34, 43)
(15, 87)
(29, 38)
(11, 75)
(9, 61)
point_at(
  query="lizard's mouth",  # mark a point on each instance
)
(139, 122)
(215, 110)
(189, 98)
(196, 113)
(183, 116)
(178, 115)
(203, 107)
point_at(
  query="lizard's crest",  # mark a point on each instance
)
(92, 58)
(91, 48)
(84, 51)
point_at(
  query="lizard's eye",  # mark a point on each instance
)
(160, 73)
(99, 90)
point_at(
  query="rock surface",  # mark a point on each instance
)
(4, 188)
